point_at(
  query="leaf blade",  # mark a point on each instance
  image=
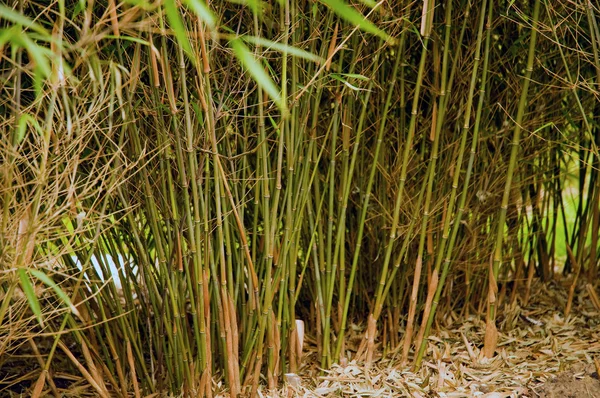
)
(178, 27)
(17, 18)
(203, 12)
(295, 51)
(351, 15)
(29, 291)
(257, 71)
(59, 292)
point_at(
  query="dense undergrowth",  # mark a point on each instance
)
(261, 170)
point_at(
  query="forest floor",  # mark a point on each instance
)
(540, 354)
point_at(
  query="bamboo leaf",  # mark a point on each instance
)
(39, 54)
(129, 38)
(143, 4)
(6, 35)
(27, 287)
(78, 9)
(15, 17)
(18, 38)
(345, 11)
(203, 12)
(24, 120)
(369, 3)
(258, 72)
(178, 27)
(295, 51)
(340, 77)
(255, 5)
(354, 76)
(59, 292)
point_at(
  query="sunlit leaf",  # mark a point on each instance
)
(258, 72)
(143, 4)
(15, 17)
(351, 76)
(255, 5)
(347, 12)
(39, 54)
(291, 50)
(24, 121)
(203, 12)
(177, 26)
(129, 38)
(6, 35)
(340, 77)
(59, 292)
(27, 287)
(369, 3)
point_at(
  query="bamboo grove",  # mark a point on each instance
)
(249, 165)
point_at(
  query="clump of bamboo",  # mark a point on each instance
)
(185, 184)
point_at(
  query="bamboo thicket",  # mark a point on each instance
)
(250, 165)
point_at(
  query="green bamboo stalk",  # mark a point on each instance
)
(344, 206)
(330, 274)
(491, 333)
(194, 277)
(447, 251)
(432, 167)
(588, 129)
(365, 204)
(411, 132)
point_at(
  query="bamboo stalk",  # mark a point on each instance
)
(491, 338)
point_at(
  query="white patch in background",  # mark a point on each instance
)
(114, 265)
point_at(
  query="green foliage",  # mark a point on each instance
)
(257, 71)
(29, 291)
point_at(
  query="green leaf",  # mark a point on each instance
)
(128, 38)
(178, 27)
(295, 51)
(24, 121)
(203, 12)
(369, 3)
(348, 13)
(79, 7)
(258, 72)
(59, 292)
(39, 54)
(143, 4)
(27, 287)
(339, 77)
(352, 76)
(255, 5)
(7, 35)
(15, 17)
